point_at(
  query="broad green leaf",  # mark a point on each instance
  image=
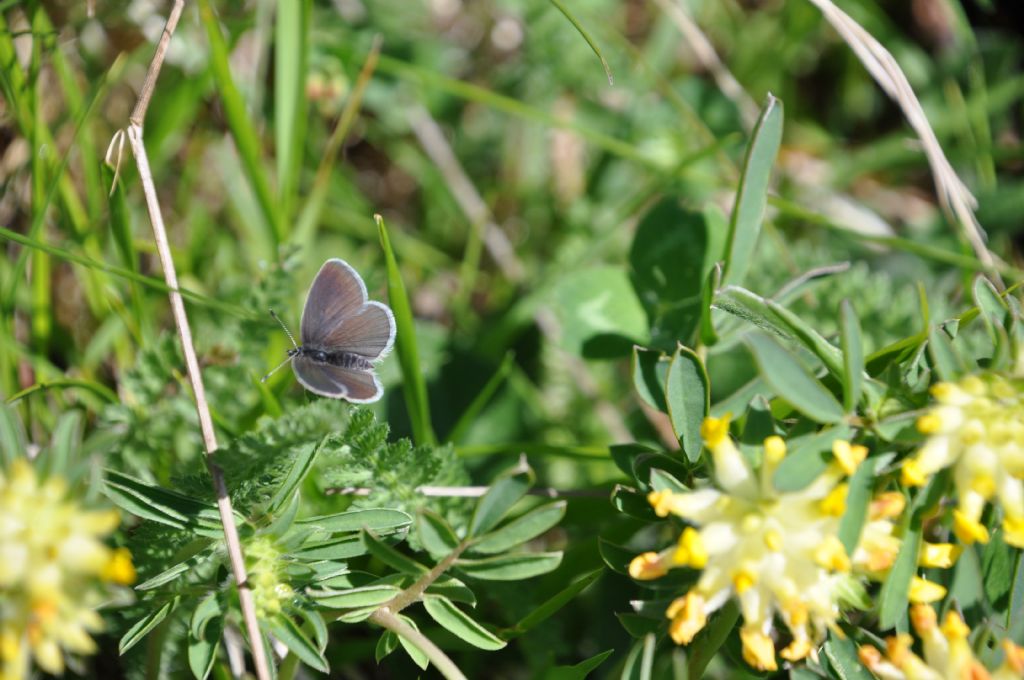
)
(391, 557)
(598, 314)
(853, 355)
(580, 671)
(709, 640)
(664, 481)
(511, 567)
(414, 652)
(387, 643)
(414, 386)
(946, 361)
(284, 629)
(505, 492)
(633, 503)
(616, 557)
(688, 394)
(841, 653)
(792, 382)
(377, 520)
(143, 626)
(967, 587)
(521, 529)
(650, 367)
(458, 623)
(353, 598)
(316, 622)
(554, 603)
(305, 456)
(205, 629)
(437, 537)
(625, 455)
(807, 458)
(454, 589)
(752, 194)
(997, 564)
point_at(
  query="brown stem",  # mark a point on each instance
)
(413, 592)
(385, 618)
(227, 518)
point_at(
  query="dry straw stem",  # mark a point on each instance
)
(234, 547)
(954, 196)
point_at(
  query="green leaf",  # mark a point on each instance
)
(554, 603)
(387, 643)
(152, 502)
(143, 626)
(336, 549)
(616, 557)
(454, 589)
(377, 520)
(842, 656)
(650, 368)
(469, 416)
(64, 444)
(353, 598)
(284, 629)
(180, 568)
(12, 435)
(853, 355)
(688, 394)
(598, 313)
(305, 456)
(858, 497)
(506, 491)
(205, 629)
(521, 529)
(435, 534)
(458, 623)
(511, 567)
(640, 660)
(792, 382)
(290, 49)
(414, 652)
(414, 386)
(990, 304)
(807, 458)
(708, 334)
(707, 643)
(578, 672)
(752, 195)
(633, 503)
(242, 129)
(946, 361)
(391, 557)
(997, 564)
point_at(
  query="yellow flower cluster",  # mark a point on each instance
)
(53, 562)
(947, 652)
(977, 428)
(777, 553)
(270, 593)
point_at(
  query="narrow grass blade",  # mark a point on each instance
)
(586, 36)
(290, 50)
(853, 355)
(481, 399)
(413, 384)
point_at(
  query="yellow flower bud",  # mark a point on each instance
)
(647, 567)
(924, 592)
(758, 649)
(688, 617)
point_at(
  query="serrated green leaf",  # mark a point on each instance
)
(499, 499)
(391, 557)
(458, 623)
(511, 567)
(377, 520)
(284, 629)
(853, 355)
(436, 535)
(521, 529)
(688, 395)
(353, 598)
(792, 382)
(143, 626)
(752, 194)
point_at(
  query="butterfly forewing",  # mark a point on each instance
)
(333, 381)
(337, 293)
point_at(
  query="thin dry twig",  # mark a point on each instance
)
(708, 58)
(227, 518)
(475, 491)
(954, 196)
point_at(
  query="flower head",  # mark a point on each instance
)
(777, 553)
(947, 652)
(53, 563)
(977, 428)
(269, 591)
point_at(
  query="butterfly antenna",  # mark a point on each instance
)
(276, 368)
(290, 336)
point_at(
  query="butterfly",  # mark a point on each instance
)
(343, 335)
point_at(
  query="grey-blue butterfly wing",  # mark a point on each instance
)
(338, 316)
(361, 387)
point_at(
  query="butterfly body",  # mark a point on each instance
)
(343, 334)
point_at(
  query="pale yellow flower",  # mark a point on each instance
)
(53, 563)
(270, 592)
(777, 553)
(947, 652)
(977, 428)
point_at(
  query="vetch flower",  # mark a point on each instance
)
(947, 652)
(777, 553)
(977, 428)
(53, 564)
(270, 592)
